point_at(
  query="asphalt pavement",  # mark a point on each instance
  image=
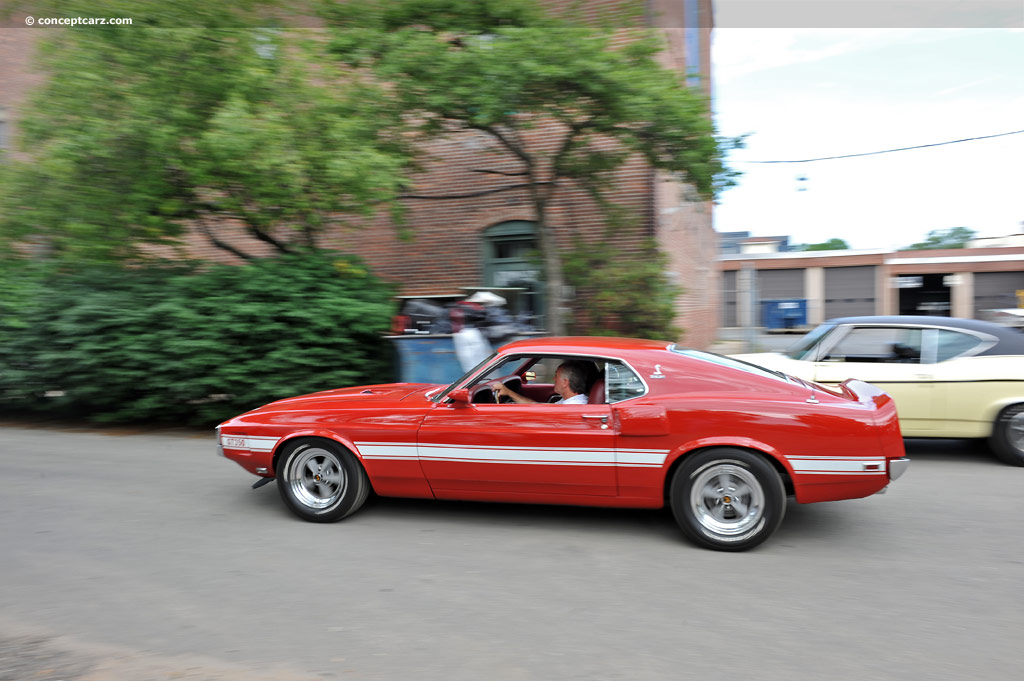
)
(142, 556)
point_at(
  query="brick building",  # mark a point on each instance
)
(457, 245)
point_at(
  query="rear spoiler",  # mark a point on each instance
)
(855, 389)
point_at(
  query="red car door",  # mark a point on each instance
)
(507, 451)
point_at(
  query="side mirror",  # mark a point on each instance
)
(460, 396)
(530, 376)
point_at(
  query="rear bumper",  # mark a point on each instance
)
(898, 467)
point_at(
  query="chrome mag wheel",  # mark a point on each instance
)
(727, 499)
(1015, 431)
(1007, 438)
(316, 477)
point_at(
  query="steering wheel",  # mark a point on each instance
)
(504, 399)
(498, 397)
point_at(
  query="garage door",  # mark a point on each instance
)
(993, 290)
(849, 291)
(775, 284)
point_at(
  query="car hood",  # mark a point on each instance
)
(391, 392)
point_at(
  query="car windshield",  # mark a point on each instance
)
(802, 348)
(441, 395)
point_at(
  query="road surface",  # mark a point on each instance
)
(145, 557)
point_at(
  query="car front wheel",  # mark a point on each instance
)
(727, 499)
(1007, 439)
(320, 480)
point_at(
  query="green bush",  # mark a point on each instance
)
(181, 344)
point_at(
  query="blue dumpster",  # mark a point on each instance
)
(431, 358)
(790, 313)
(427, 358)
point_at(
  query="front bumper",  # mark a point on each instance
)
(898, 467)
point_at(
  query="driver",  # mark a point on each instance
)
(570, 384)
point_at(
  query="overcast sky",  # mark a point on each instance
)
(808, 93)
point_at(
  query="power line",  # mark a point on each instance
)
(889, 151)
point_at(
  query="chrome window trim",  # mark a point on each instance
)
(499, 359)
(929, 345)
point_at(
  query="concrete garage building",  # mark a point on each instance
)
(963, 282)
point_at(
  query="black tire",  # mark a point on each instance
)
(1007, 440)
(320, 481)
(727, 499)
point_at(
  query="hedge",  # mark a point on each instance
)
(191, 345)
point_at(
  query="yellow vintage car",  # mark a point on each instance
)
(949, 377)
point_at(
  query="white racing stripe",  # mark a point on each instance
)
(558, 456)
(385, 450)
(833, 465)
(553, 456)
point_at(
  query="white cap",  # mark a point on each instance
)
(486, 298)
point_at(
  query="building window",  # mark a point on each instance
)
(512, 268)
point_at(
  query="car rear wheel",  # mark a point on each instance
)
(320, 480)
(1007, 439)
(727, 499)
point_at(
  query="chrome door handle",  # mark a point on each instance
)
(603, 418)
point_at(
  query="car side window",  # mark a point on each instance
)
(953, 344)
(544, 370)
(878, 344)
(621, 382)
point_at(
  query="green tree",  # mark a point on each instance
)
(830, 245)
(622, 295)
(505, 69)
(193, 115)
(954, 237)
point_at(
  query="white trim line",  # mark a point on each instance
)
(565, 456)
(955, 259)
(786, 255)
(818, 465)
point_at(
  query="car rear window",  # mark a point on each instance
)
(721, 360)
(953, 344)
